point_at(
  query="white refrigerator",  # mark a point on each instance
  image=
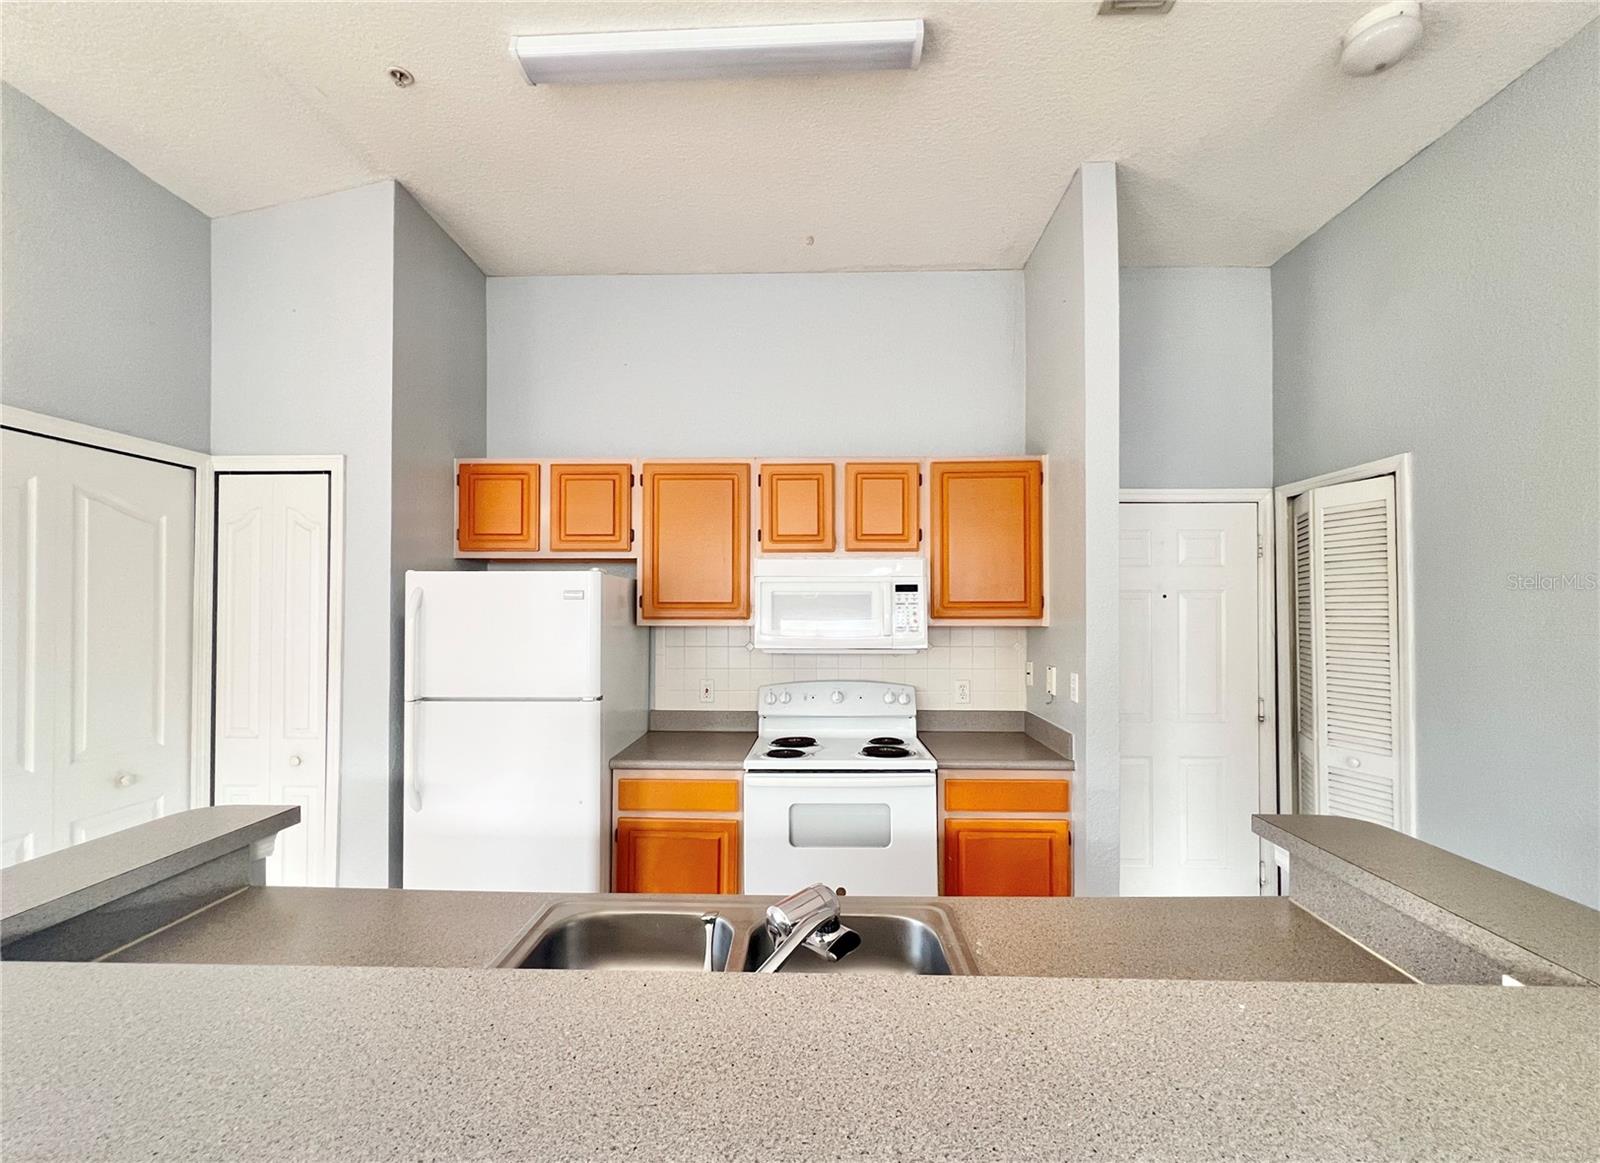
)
(519, 687)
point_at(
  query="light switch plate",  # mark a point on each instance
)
(1050, 681)
(1072, 686)
(1027, 673)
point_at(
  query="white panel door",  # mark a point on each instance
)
(272, 658)
(1190, 772)
(98, 620)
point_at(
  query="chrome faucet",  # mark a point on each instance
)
(809, 918)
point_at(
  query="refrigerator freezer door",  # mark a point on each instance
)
(522, 635)
(507, 797)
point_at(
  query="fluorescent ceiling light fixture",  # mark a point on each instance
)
(686, 53)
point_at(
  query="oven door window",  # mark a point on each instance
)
(838, 825)
(844, 615)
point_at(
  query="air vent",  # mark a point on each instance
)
(1135, 7)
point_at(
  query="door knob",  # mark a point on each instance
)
(294, 761)
(125, 779)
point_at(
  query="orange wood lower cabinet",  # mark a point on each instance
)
(1007, 858)
(691, 856)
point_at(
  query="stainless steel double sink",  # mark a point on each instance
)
(668, 933)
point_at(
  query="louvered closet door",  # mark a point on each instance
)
(1305, 659)
(1355, 616)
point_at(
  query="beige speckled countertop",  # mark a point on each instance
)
(1244, 939)
(265, 1062)
(709, 750)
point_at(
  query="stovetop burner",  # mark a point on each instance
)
(877, 751)
(799, 741)
(886, 741)
(785, 753)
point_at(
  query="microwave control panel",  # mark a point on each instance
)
(907, 609)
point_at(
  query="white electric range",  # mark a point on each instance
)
(839, 789)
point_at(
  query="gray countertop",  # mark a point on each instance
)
(710, 750)
(107, 1061)
(686, 750)
(997, 749)
(1245, 939)
(58, 886)
(1412, 874)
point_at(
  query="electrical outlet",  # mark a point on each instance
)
(708, 693)
(1027, 673)
(1072, 686)
(963, 690)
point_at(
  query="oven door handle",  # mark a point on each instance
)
(853, 782)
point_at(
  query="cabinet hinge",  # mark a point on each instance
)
(758, 535)
(919, 536)
(631, 536)
(1261, 549)
(630, 480)
(919, 478)
(1261, 710)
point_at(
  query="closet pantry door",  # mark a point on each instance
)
(98, 615)
(272, 658)
(1350, 763)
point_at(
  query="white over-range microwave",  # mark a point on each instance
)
(832, 604)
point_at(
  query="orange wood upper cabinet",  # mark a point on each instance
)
(591, 508)
(690, 856)
(883, 506)
(797, 508)
(696, 558)
(1007, 858)
(497, 507)
(987, 539)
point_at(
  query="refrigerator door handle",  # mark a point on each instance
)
(413, 641)
(408, 762)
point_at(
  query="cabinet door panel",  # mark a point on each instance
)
(497, 507)
(591, 508)
(696, 561)
(797, 508)
(988, 544)
(1007, 858)
(684, 856)
(883, 506)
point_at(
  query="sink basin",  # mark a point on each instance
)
(889, 944)
(667, 933)
(632, 939)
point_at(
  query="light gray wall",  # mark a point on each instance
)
(743, 365)
(106, 286)
(1196, 377)
(438, 417)
(1451, 312)
(303, 353)
(1072, 375)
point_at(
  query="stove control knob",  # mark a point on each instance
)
(785, 697)
(888, 696)
(837, 696)
(771, 698)
(904, 698)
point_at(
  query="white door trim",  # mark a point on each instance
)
(1400, 467)
(333, 465)
(37, 423)
(1266, 624)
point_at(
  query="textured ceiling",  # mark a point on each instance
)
(1236, 133)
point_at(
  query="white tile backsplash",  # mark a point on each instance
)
(990, 659)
